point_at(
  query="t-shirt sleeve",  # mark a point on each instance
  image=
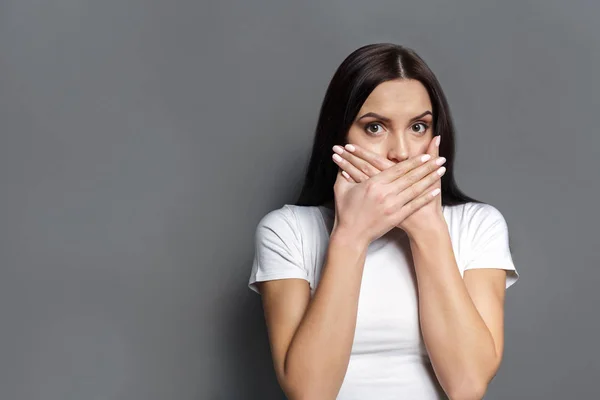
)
(489, 244)
(278, 249)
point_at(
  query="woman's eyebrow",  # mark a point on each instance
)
(381, 117)
(422, 115)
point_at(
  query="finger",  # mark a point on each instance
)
(394, 172)
(372, 158)
(360, 164)
(341, 182)
(427, 183)
(348, 177)
(417, 175)
(356, 174)
(417, 203)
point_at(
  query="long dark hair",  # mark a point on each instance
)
(354, 80)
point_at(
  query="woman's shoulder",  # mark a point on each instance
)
(290, 217)
(284, 212)
(472, 210)
(281, 219)
(472, 221)
(288, 212)
(471, 218)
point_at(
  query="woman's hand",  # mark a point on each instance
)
(359, 165)
(368, 208)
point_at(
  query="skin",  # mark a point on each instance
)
(461, 318)
(402, 132)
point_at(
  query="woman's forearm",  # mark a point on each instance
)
(460, 345)
(318, 356)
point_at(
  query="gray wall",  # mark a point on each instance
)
(141, 142)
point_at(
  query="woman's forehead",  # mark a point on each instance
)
(398, 99)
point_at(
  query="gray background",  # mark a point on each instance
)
(141, 142)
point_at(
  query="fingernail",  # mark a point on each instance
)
(337, 158)
(349, 147)
(437, 140)
(338, 149)
(425, 157)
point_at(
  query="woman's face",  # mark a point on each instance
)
(402, 127)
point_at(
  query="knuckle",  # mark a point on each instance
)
(399, 168)
(387, 211)
(380, 196)
(389, 206)
(376, 191)
(371, 187)
(416, 162)
(415, 177)
(412, 192)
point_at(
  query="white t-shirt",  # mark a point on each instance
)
(388, 359)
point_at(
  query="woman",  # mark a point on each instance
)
(376, 285)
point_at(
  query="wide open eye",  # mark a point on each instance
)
(424, 125)
(370, 131)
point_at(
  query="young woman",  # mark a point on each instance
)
(384, 280)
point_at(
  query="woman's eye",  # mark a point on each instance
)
(369, 130)
(423, 125)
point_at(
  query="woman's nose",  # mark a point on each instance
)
(397, 150)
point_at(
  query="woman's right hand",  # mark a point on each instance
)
(371, 208)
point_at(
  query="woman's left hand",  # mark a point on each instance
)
(360, 164)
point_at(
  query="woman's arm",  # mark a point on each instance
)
(463, 352)
(311, 340)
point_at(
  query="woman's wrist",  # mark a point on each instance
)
(348, 238)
